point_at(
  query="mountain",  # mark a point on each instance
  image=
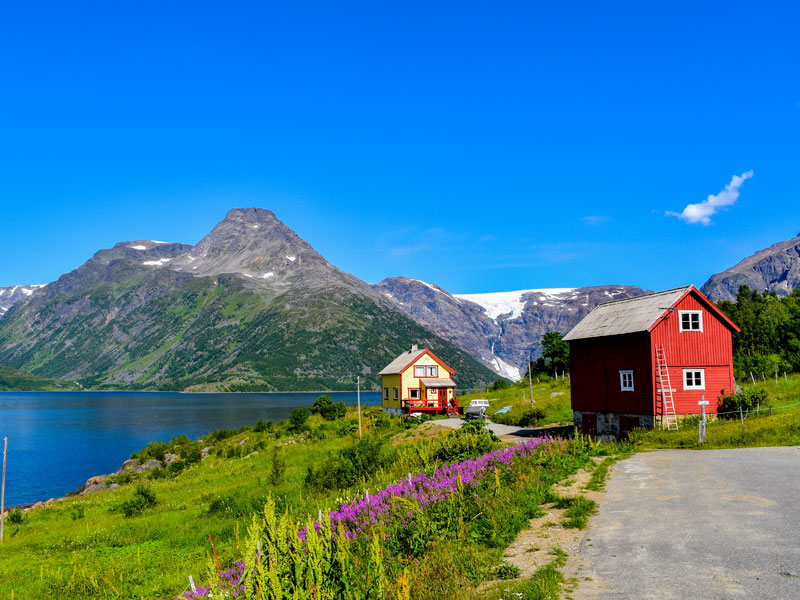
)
(15, 293)
(775, 269)
(501, 329)
(252, 306)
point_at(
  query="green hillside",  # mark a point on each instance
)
(13, 380)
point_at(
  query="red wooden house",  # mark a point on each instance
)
(647, 360)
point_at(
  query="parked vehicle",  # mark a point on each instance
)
(477, 409)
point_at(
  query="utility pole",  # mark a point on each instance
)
(3, 492)
(358, 398)
(530, 379)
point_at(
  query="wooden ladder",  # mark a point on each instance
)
(669, 419)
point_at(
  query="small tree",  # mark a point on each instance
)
(555, 352)
(499, 384)
(325, 407)
(298, 420)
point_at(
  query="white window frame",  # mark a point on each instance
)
(413, 393)
(699, 314)
(622, 386)
(433, 371)
(386, 393)
(396, 393)
(702, 385)
(419, 371)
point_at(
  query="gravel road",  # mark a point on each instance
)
(711, 524)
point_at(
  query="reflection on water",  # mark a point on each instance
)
(57, 440)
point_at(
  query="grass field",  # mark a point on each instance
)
(119, 544)
(551, 403)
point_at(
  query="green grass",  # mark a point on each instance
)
(757, 431)
(19, 381)
(598, 479)
(144, 541)
(88, 548)
(578, 510)
(545, 584)
(551, 403)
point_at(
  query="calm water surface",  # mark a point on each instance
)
(57, 440)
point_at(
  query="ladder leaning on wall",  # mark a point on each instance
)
(669, 419)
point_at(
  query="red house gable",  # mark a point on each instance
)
(615, 353)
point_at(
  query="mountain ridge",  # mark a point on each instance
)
(773, 269)
(139, 316)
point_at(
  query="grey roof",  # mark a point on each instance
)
(625, 316)
(430, 382)
(399, 364)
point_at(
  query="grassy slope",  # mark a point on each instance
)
(551, 397)
(103, 554)
(86, 548)
(169, 331)
(13, 380)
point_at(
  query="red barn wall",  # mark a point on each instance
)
(594, 373)
(686, 401)
(710, 349)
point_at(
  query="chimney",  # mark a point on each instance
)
(414, 348)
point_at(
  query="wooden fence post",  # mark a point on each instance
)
(3, 492)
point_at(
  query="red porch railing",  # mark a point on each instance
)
(438, 406)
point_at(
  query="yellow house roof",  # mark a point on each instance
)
(406, 359)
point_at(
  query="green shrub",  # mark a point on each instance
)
(278, 467)
(154, 450)
(507, 571)
(142, 499)
(191, 455)
(347, 428)
(15, 517)
(746, 400)
(349, 465)
(176, 468)
(499, 384)
(77, 512)
(220, 434)
(262, 427)
(298, 420)
(327, 409)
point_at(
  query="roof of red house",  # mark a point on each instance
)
(406, 359)
(635, 314)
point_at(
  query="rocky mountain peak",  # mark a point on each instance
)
(252, 242)
(774, 269)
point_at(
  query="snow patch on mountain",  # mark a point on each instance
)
(13, 294)
(435, 289)
(506, 370)
(497, 304)
(157, 263)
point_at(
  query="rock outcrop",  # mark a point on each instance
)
(774, 269)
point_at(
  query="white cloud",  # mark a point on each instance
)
(701, 212)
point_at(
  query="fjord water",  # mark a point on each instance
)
(57, 440)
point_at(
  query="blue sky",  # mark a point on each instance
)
(480, 146)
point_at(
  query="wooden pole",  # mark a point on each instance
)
(776, 374)
(702, 424)
(530, 379)
(358, 397)
(753, 378)
(3, 492)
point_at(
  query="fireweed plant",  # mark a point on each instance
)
(365, 548)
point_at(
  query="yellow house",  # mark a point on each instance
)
(418, 380)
